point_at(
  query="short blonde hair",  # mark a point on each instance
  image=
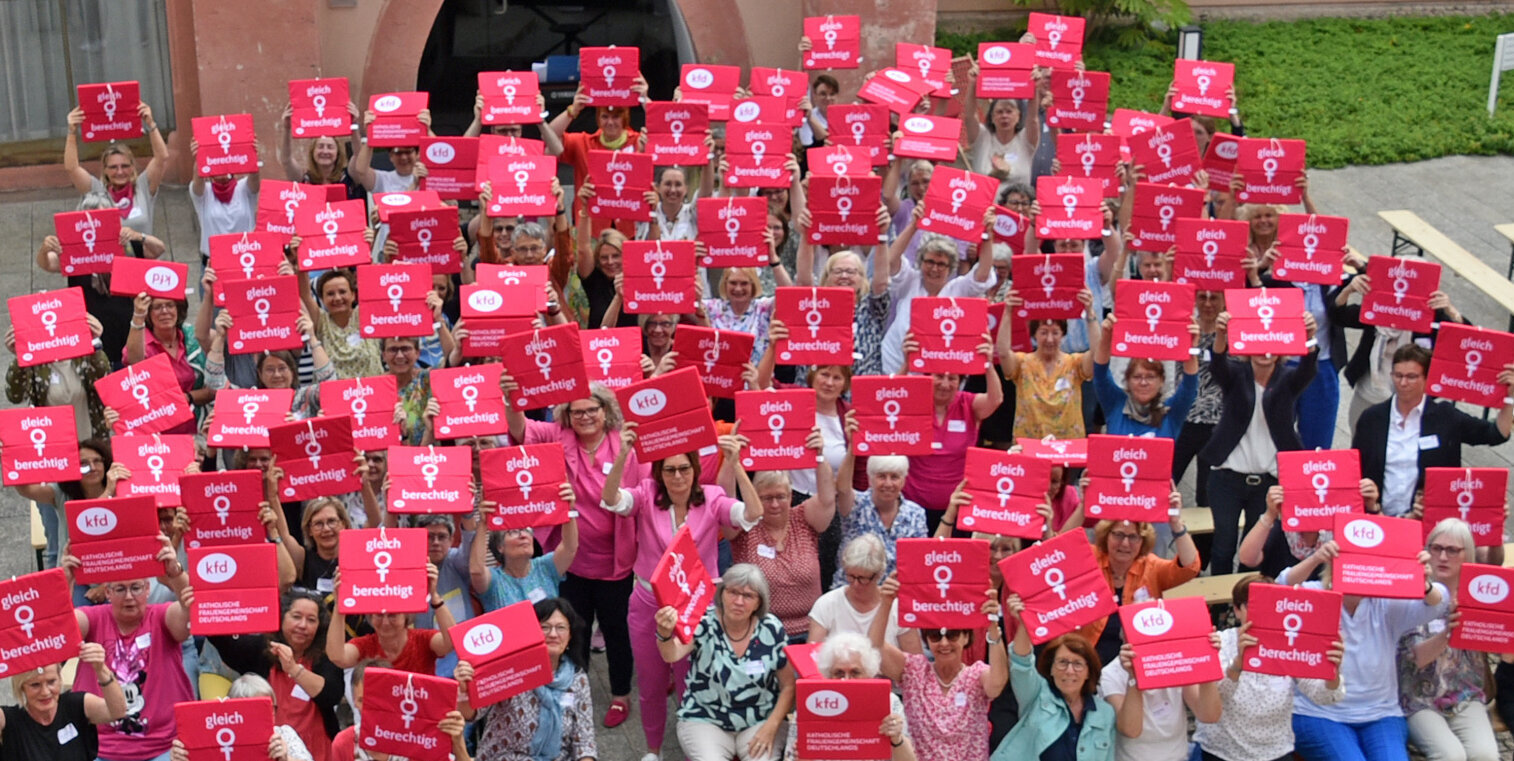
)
(750, 273)
(830, 262)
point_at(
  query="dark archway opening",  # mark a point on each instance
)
(471, 36)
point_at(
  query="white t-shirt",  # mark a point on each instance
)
(904, 286)
(1017, 153)
(216, 218)
(833, 611)
(1164, 725)
(834, 453)
(390, 181)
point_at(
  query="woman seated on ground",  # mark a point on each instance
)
(47, 722)
(850, 656)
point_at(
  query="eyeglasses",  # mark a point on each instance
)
(1062, 664)
(741, 594)
(399, 349)
(845, 271)
(585, 413)
(555, 628)
(1407, 377)
(663, 324)
(775, 498)
(164, 307)
(934, 263)
(1146, 378)
(1441, 549)
(135, 590)
(326, 523)
(439, 538)
(677, 470)
(857, 578)
(1120, 536)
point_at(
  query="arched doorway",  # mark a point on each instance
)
(470, 36)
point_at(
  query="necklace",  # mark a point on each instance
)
(743, 637)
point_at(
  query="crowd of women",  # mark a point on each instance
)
(802, 556)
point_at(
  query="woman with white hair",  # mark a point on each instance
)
(785, 543)
(847, 269)
(741, 685)
(1444, 690)
(285, 743)
(49, 723)
(850, 656)
(850, 609)
(882, 510)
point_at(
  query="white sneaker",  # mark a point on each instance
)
(651, 757)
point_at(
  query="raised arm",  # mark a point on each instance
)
(846, 496)
(158, 164)
(893, 657)
(360, 168)
(77, 174)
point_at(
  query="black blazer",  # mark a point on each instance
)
(1350, 316)
(1441, 419)
(1238, 401)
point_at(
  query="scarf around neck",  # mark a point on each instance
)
(546, 742)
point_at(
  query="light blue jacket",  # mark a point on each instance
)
(1044, 717)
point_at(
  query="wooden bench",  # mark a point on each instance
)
(1198, 520)
(1412, 234)
(39, 536)
(1214, 589)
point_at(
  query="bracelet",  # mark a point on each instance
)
(1508, 400)
(438, 604)
(661, 638)
(112, 681)
(895, 744)
(138, 325)
(1180, 534)
(572, 513)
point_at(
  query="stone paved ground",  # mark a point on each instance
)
(1462, 196)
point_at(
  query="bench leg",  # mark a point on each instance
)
(1402, 244)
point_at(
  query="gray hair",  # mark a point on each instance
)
(1001, 253)
(893, 463)
(531, 230)
(772, 478)
(744, 576)
(599, 393)
(921, 166)
(865, 553)
(250, 686)
(940, 244)
(94, 201)
(435, 519)
(1457, 529)
(846, 646)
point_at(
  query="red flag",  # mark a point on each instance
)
(659, 277)
(606, 75)
(1171, 642)
(779, 424)
(1155, 211)
(1061, 584)
(1152, 320)
(228, 145)
(1202, 87)
(114, 539)
(1169, 153)
(1295, 628)
(392, 300)
(523, 481)
(1400, 295)
(1059, 39)
(222, 507)
(1079, 99)
(819, 322)
(331, 234)
(1379, 557)
(471, 400)
(265, 315)
(319, 107)
(955, 202)
(732, 230)
(894, 415)
(39, 445)
(244, 416)
(681, 582)
(1467, 362)
(1319, 485)
(720, 356)
(430, 479)
(1475, 495)
(1487, 609)
(548, 365)
(1006, 490)
(507, 651)
(621, 180)
(1271, 169)
(1130, 478)
(942, 583)
(844, 210)
(671, 412)
(225, 730)
(424, 236)
(401, 711)
(146, 395)
(755, 154)
(836, 41)
(37, 623)
(509, 97)
(1266, 321)
(676, 133)
(50, 326)
(370, 402)
(234, 593)
(1049, 286)
(316, 455)
(612, 356)
(948, 331)
(1210, 252)
(1310, 247)
(156, 462)
(383, 571)
(130, 276)
(396, 122)
(110, 111)
(90, 241)
(839, 718)
(1072, 208)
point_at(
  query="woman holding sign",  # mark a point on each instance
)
(850, 656)
(741, 685)
(275, 369)
(307, 687)
(1368, 723)
(1138, 409)
(1443, 689)
(52, 724)
(325, 158)
(1060, 717)
(394, 636)
(336, 325)
(166, 335)
(1048, 381)
(553, 722)
(598, 582)
(846, 269)
(785, 544)
(945, 699)
(671, 498)
(132, 193)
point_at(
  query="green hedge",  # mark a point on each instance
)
(1361, 91)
